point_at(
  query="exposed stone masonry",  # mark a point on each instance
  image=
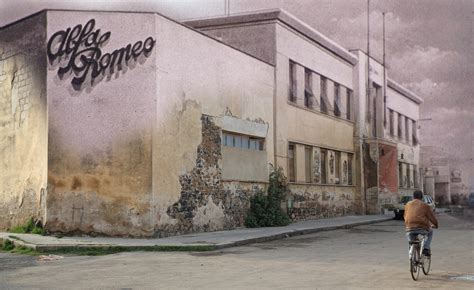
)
(206, 202)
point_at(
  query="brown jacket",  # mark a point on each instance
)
(419, 215)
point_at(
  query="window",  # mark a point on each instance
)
(308, 90)
(337, 167)
(323, 96)
(407, 129)
(400, 120)
(349, 104)
(349, 168)
(337, 100)
(414, 133)
(415, 176)
(323, 166)
(293, 86)
(391, 122)
(408, 183)
(242, 141)
(291, 163)
(400, 174)
(308, 157)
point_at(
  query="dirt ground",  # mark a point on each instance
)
(366, 257)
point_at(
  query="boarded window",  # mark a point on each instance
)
(308, 157)
(291, 163)
(293, 86)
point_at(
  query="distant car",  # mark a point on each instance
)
(399, 209)
(470, 200)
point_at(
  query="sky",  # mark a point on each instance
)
(429, 48)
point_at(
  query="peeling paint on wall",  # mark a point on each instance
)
(207, 203)
(23, 129)
(314, 202)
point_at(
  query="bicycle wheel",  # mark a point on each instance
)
(414, 258)
(426, 263)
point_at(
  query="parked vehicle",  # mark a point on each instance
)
(470, 200)
(399, 209)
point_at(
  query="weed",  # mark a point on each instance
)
(8, 245)
(29, 227)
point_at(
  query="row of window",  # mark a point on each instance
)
(321, 166)
(403, 133)
(242, 141)
(311, 97)
(407, 175)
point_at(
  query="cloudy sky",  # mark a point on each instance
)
(430, 48)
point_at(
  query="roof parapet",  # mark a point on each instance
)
(404, 91)
(278, 15)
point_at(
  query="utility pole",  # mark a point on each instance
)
(384, 77)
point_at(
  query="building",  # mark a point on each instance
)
(314, 119)
(373, 164)
(112, 124)
(441, 176)
(121, 123)
(386, 133)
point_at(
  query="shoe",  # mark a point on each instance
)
(426, 252)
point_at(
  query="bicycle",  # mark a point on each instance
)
(418, 261)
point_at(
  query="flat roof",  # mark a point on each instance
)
(404, 91)
(278, 15)
(132, 12)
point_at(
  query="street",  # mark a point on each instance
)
(372, 256)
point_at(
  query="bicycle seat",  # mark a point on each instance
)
(414, 242)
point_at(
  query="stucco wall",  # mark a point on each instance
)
(294, 122)
(257, 40)
(23, 130)
(100, 137)
(200, 81)
(311, 201)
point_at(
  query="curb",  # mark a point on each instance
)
(296, 232)
(111, 248)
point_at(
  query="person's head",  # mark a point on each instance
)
(417, 194)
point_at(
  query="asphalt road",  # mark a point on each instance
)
(372, 256)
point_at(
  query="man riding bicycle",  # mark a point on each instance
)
(419, 219)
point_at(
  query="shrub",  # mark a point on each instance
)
(29, 227)
(265, 210)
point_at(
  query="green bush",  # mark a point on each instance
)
(30, 227)
(265, 210)
(8, 245)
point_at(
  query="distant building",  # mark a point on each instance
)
(441, 177)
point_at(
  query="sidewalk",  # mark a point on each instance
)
(192, 242)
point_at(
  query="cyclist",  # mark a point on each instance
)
(419, 219)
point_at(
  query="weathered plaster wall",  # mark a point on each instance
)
(100, 137)
(296, 123)
(257, 40)
(199, 82)
(313, 202)
(23, 130)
